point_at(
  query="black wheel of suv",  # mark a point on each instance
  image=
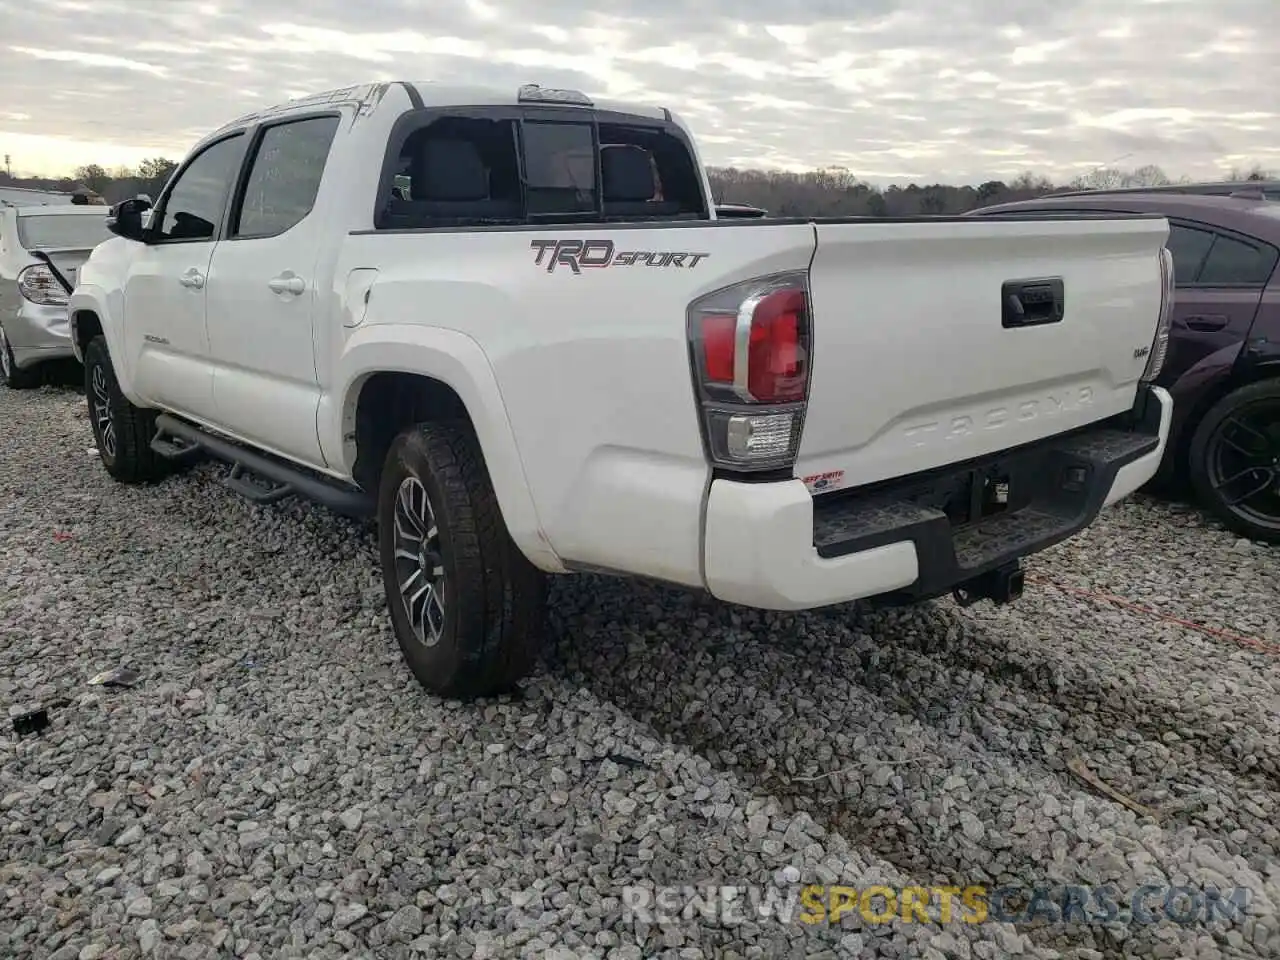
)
(466, 605)
(1235, 460)
(14, 378)
(121, 431)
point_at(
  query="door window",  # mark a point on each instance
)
(1189, 247)
(194, 206)
(285, 177)
(1233, 262)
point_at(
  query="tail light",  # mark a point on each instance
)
(38, 284)
(750, 347)
(1160, 345)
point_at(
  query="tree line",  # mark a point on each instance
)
(114, 185)
(838, 192)
(826, 192)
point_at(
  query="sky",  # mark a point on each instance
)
(956, 91)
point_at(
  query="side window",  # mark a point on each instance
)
(199, 195)
(560, 167)
(1189, 247)
(648, 173)
(285, 177)
(1234, 262)
(454, 170)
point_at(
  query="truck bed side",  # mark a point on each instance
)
(592, 363)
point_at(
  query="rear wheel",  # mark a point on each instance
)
(466, 606)
(14, 378)
(1235, 460)
(121, 431)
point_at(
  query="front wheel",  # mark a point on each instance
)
(1235, 460)
(466, 605)
(122, 432)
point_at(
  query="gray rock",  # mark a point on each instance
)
(344, 915)
(405, 924)
(149, 936)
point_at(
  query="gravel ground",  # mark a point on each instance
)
(275, 785)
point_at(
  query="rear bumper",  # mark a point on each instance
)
(38, 333)
(773, 545)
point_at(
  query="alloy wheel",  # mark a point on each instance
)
(418, 562)
(102, 417)
(1243, 460)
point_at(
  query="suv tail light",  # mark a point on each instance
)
(749, 347)
(1160, 345)
(38, 284)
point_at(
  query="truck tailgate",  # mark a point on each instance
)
(916, 364)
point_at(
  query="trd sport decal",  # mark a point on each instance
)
(577, 254)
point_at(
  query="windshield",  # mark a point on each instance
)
(62, 231)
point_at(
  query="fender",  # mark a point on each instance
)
(91, 298)
(1260, 357)
(108, 307)
(100, 289)
(1197, 382)
(458, 361)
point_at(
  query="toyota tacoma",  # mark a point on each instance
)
(510, 326)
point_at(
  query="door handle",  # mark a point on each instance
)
(287, 283)
(193, 279)
(1206, 323)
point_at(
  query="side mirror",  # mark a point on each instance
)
(125, 218)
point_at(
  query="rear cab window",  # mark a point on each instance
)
(459, 167)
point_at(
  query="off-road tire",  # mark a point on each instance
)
(14, 378)
(493, 598)
(133, 460)
(1198, 466)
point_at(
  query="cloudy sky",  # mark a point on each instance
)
(952, 90)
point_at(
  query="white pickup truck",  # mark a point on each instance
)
(511, 327)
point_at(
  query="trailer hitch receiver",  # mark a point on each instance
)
(1001, 585)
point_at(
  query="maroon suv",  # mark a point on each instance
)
(1223, 366)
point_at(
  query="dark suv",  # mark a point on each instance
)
(1223, 366)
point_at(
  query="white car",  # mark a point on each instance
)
(41, 250)
(468, 313)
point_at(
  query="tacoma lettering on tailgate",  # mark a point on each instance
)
(577, 254)
(965, 425)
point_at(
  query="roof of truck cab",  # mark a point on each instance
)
(432, 93)
(447, 95)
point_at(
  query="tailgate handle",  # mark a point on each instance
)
(1030, 303)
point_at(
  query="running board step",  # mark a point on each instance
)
(175, 448)
(259, 477)
(248, 485)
